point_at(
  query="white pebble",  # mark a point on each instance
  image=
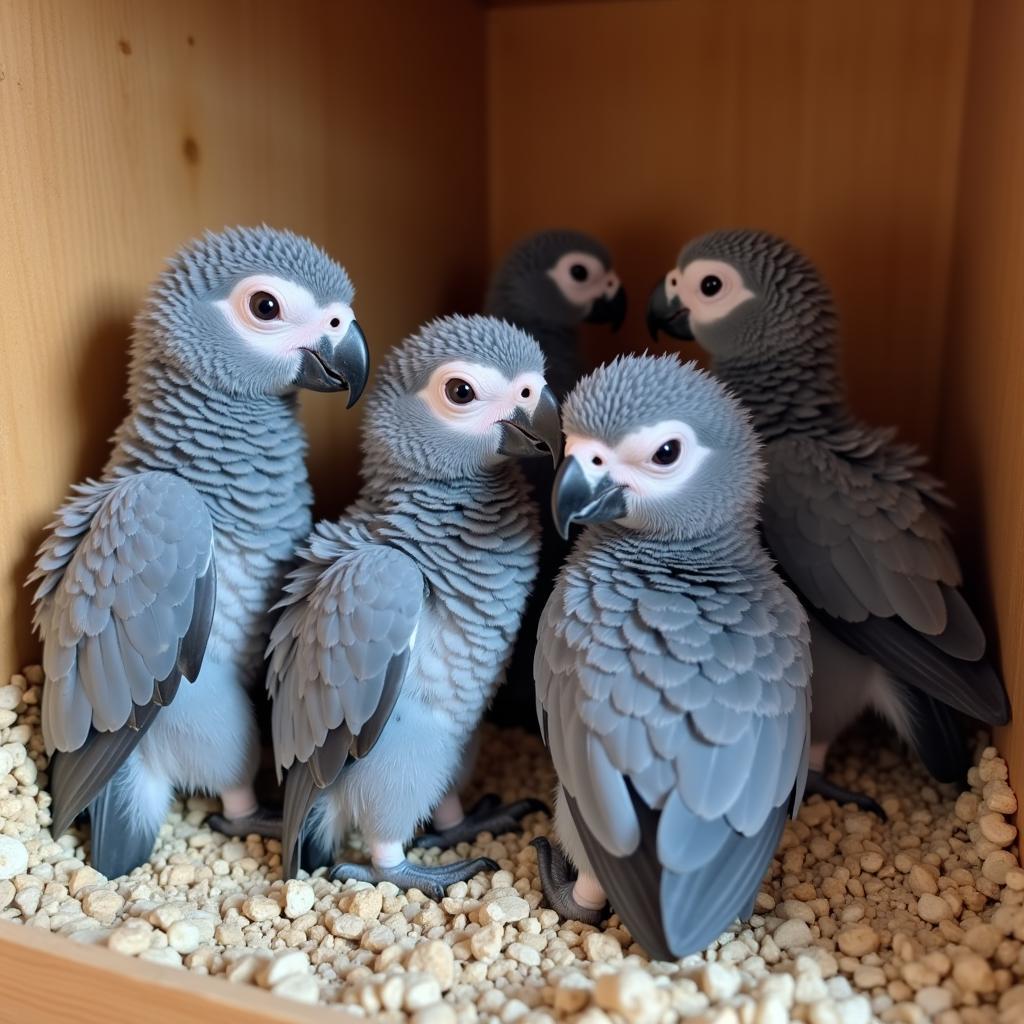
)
(13, 857)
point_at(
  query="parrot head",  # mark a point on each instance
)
(659, 447)
(560, 278)
(459, 397)
(745, 295)
(255, 311)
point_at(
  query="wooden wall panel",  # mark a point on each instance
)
(128, 127)
(835, 123)
(982, 413)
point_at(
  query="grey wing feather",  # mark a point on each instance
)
(860, 536)
(338, 656)
(670, 799)
(124, 605)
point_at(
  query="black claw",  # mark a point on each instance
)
(431, 881)
(488, 814)
(557, 880)
(262, 822)
(817, 783)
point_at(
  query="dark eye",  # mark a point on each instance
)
(459, 391)
(710, 285)
(578, 272)
(525, 393)
(264, 306)
(667, 453)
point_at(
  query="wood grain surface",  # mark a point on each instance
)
(834, 123)
(49, 979)
(128, 128)
(982, 412)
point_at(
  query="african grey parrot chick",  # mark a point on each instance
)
(549, 284)
(398, 623)
(672, 662)
(849, 514)
(168, 564)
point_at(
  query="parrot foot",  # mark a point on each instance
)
(817, 783)
(262, 822)
(488, 814)
(557, 880)
(431, 881)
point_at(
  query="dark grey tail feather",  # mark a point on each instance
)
(119, 843)
(77, 777)
(672, 915)
(300, 794)
(937, 736)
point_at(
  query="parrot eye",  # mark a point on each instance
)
(710, 285)
(459, 391)
(264, 306)
(578, 272)
(667, 453)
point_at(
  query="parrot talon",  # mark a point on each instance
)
(488, 814)
(557, 880)
(817, 783)
(262, 822)
(431, 881)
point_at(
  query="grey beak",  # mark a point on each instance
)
(574, 500)
(523, 434)
(668, 315)
(343, 366)
(609, 310)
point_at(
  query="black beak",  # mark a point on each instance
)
(668, 315)
(574, 500)
(609, 310)
(528, 435)
(342, 366)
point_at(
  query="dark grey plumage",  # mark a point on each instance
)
(852, 517)
(672, 667)
(533, 287)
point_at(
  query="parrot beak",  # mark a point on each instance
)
(539, 433)
(575, 500)
(668, 315)
(343, 366)
(609, 310)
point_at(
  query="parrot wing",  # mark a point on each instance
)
(859, 535)
(677, 715)
(338, 658)
(124, 605)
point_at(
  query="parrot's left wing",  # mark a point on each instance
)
(338, 658)
(677, 718)
(859, 534)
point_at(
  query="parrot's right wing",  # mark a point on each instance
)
(677, 719)
(338, 658)
(125, 602)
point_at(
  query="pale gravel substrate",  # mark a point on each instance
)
(918, 919)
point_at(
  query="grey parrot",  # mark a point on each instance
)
(849, 513)
(548, 284)
(397, 625)
(672, 662)
(167, 565)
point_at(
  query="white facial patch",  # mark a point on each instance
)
(709, 289)
(632, 463)
(490, 397)
(298, 321)
(582, 279)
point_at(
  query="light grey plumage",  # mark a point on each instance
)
(399, 621)
(167, 565)
(549, 284)
(850, 514)
(672, 662)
